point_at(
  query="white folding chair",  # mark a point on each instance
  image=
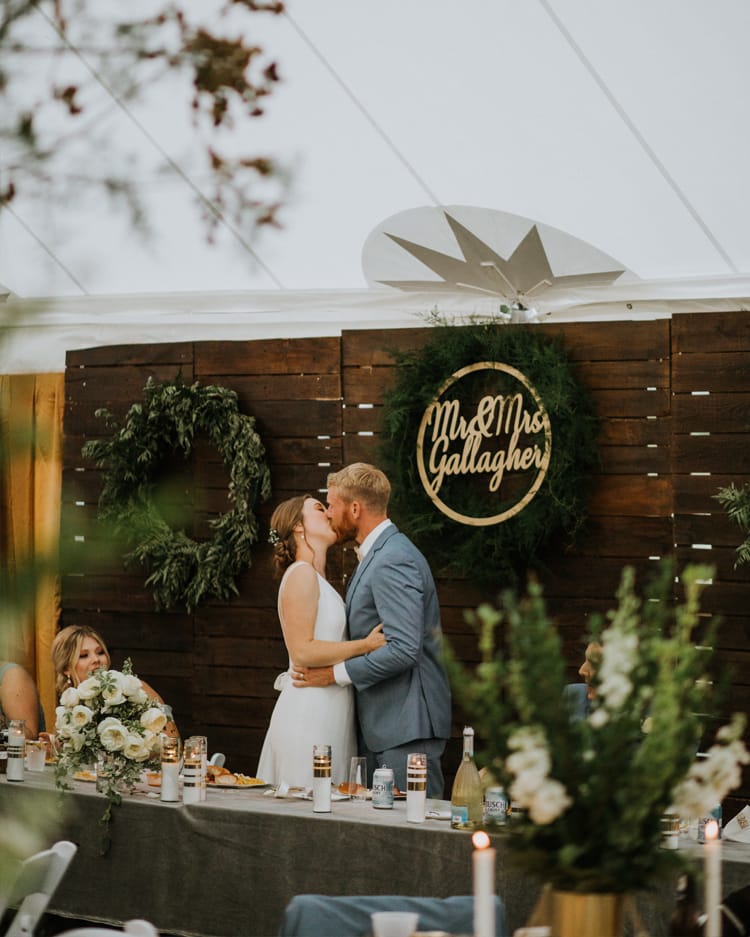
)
(36, 883)
(137, 928)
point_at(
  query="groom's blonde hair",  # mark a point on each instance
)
(362, 482)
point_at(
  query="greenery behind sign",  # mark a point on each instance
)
(501, 554)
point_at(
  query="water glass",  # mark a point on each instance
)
(358, 779)
(36, 753)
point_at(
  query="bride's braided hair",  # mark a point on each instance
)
(281, 535)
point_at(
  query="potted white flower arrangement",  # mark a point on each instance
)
(592, 792)
(109, 714)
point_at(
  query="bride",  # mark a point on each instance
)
(313, 622)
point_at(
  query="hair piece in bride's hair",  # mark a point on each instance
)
(283, 521)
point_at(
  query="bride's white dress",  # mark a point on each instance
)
(307, 716)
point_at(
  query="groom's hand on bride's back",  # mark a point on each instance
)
(312, 676)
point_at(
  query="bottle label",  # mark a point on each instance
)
(459, 816)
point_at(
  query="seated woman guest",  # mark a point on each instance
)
(78, 651)
(19, 699)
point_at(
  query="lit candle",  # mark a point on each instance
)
(191, 770)
(170, 769)
(483, 862)
(712, 855)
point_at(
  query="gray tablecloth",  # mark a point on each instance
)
(231, 865)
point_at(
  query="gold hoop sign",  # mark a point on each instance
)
(484, 444)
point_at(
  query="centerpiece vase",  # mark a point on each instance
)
(586, 914)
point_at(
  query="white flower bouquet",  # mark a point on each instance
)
(108, 713)
(593, 790)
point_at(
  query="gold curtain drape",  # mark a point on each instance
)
(31, 417)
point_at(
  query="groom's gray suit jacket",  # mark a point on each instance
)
(402, 688)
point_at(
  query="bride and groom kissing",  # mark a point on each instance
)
(389, 670)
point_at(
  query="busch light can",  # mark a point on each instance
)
(382, 787)
(495, 805)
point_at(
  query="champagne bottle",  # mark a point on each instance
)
(466, 795)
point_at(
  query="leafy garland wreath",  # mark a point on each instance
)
(180, 570)
(502, 554)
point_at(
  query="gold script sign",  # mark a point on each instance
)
(486, 446)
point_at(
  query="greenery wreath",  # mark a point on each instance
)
(499, 555)
(181, 571)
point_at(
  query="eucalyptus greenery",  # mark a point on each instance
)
(181, 571)
(499, 554)
(594, 788)
(736, 502)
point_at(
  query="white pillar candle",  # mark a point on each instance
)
(483, 863)
(712, 858)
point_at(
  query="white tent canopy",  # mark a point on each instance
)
(617, 126)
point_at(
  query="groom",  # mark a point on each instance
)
(402, 691)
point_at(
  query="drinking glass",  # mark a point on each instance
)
(35, 754)
(358, 779)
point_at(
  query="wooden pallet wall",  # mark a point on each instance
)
(318, 405)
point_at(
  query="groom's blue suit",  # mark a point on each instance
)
(402, 690)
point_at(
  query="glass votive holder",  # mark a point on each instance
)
(416, 786)
(321, 778)
(192, 770)
(170, 769)
(16, 749)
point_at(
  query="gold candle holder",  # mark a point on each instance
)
(170, 769)
(416, 786)
(321, 778)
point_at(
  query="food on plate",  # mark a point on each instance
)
(84, 775)
(222, 777)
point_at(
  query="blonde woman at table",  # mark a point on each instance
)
(313, 623)
(78, 651)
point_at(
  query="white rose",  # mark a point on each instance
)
(113, 694)
(135, 749)
(76, 740)
(153, 720)
(80, 716)
(89, 688)
(550, 800)
(130, 685)
(113, 734)
(69, 698)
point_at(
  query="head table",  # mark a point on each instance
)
(230, 865)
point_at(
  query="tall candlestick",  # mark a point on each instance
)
(483, 863)
(712, 855)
